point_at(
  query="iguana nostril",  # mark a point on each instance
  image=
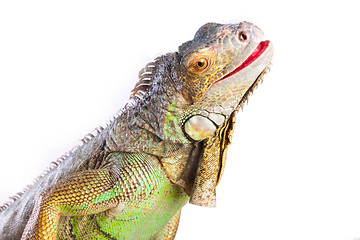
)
(242, 36)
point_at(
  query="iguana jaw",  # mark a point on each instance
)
(233, 88)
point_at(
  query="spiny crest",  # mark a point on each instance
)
(87, 138)
(141, 87)
(51, 167)
(145, 81)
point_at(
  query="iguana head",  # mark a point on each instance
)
(207, 81)
(220, 67)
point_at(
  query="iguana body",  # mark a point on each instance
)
(131, 179)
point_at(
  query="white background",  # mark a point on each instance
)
(293, 170)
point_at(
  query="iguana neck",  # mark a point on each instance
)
(142, 125)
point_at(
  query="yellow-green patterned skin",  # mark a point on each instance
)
(145, 204)
(142, 201)
(167, 146)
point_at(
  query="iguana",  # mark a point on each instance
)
(167, 146)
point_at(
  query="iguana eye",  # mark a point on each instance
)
(199, 64)
(202, 63)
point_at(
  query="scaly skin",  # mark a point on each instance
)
(167, 146)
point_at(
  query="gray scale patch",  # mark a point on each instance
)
(204, 113)
(217, 118)
(226, 105)
(218, 109)
(227, 111)
(209, 109)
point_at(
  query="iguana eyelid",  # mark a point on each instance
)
(206, 54)
(193, 64)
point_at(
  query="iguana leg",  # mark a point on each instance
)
(169, 231)
(87, 192)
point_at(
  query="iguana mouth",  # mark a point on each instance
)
(259, 50)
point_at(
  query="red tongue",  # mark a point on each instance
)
(255, 54)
